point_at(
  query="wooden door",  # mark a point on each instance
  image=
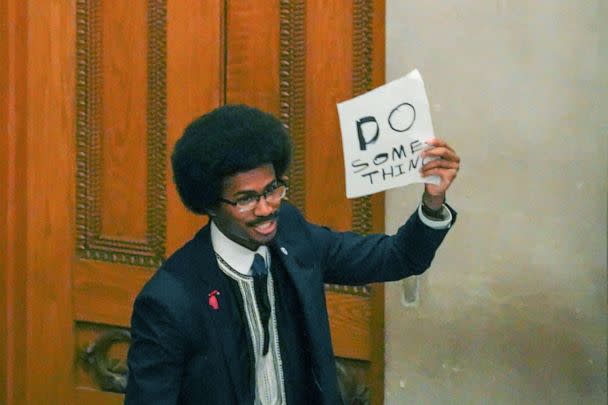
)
(94, 95)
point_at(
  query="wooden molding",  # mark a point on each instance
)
(292, 77)
(363, 43)
(91, 244)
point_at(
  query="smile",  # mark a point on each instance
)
(266, 227)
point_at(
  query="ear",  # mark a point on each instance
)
(211, 210)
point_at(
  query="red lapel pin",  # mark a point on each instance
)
(213, 302)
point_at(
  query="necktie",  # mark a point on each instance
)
(260, 285)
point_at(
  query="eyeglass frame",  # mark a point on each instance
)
(258, 196)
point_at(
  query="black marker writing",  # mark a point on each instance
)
(402, 117)
(380, 158)
(359, 164)
(391, 164)
(370, 174)
(367, 121)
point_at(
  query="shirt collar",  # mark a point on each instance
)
(238, 257)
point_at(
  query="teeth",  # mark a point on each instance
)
(264, 226)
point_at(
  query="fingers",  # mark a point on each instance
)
(437, 142)
(445, 169)
(440, 163)
(446, 175)
(445, 166)
(444, 152)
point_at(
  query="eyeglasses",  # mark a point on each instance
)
(273, 195)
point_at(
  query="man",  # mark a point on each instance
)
(238, 314)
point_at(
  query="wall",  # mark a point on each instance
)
(513, 310)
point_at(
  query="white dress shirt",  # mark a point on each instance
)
(235, 261)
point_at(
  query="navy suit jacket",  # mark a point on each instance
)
(184, 351)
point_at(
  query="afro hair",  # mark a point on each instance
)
(226, 141)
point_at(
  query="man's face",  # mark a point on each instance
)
(251, 228)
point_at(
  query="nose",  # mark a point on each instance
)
(263, 208)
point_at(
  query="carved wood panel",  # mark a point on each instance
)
(121, 131)
(112, 85)
(101, 362)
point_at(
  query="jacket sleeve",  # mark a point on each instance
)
(352, 259)
(156, 355)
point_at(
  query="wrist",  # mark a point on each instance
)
(433, 203)
(435, 215)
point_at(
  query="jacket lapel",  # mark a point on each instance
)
(299, 272)
(308, 282)
(226, 327)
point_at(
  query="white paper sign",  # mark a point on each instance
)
(383, 133)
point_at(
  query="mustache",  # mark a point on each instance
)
(259, 220)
